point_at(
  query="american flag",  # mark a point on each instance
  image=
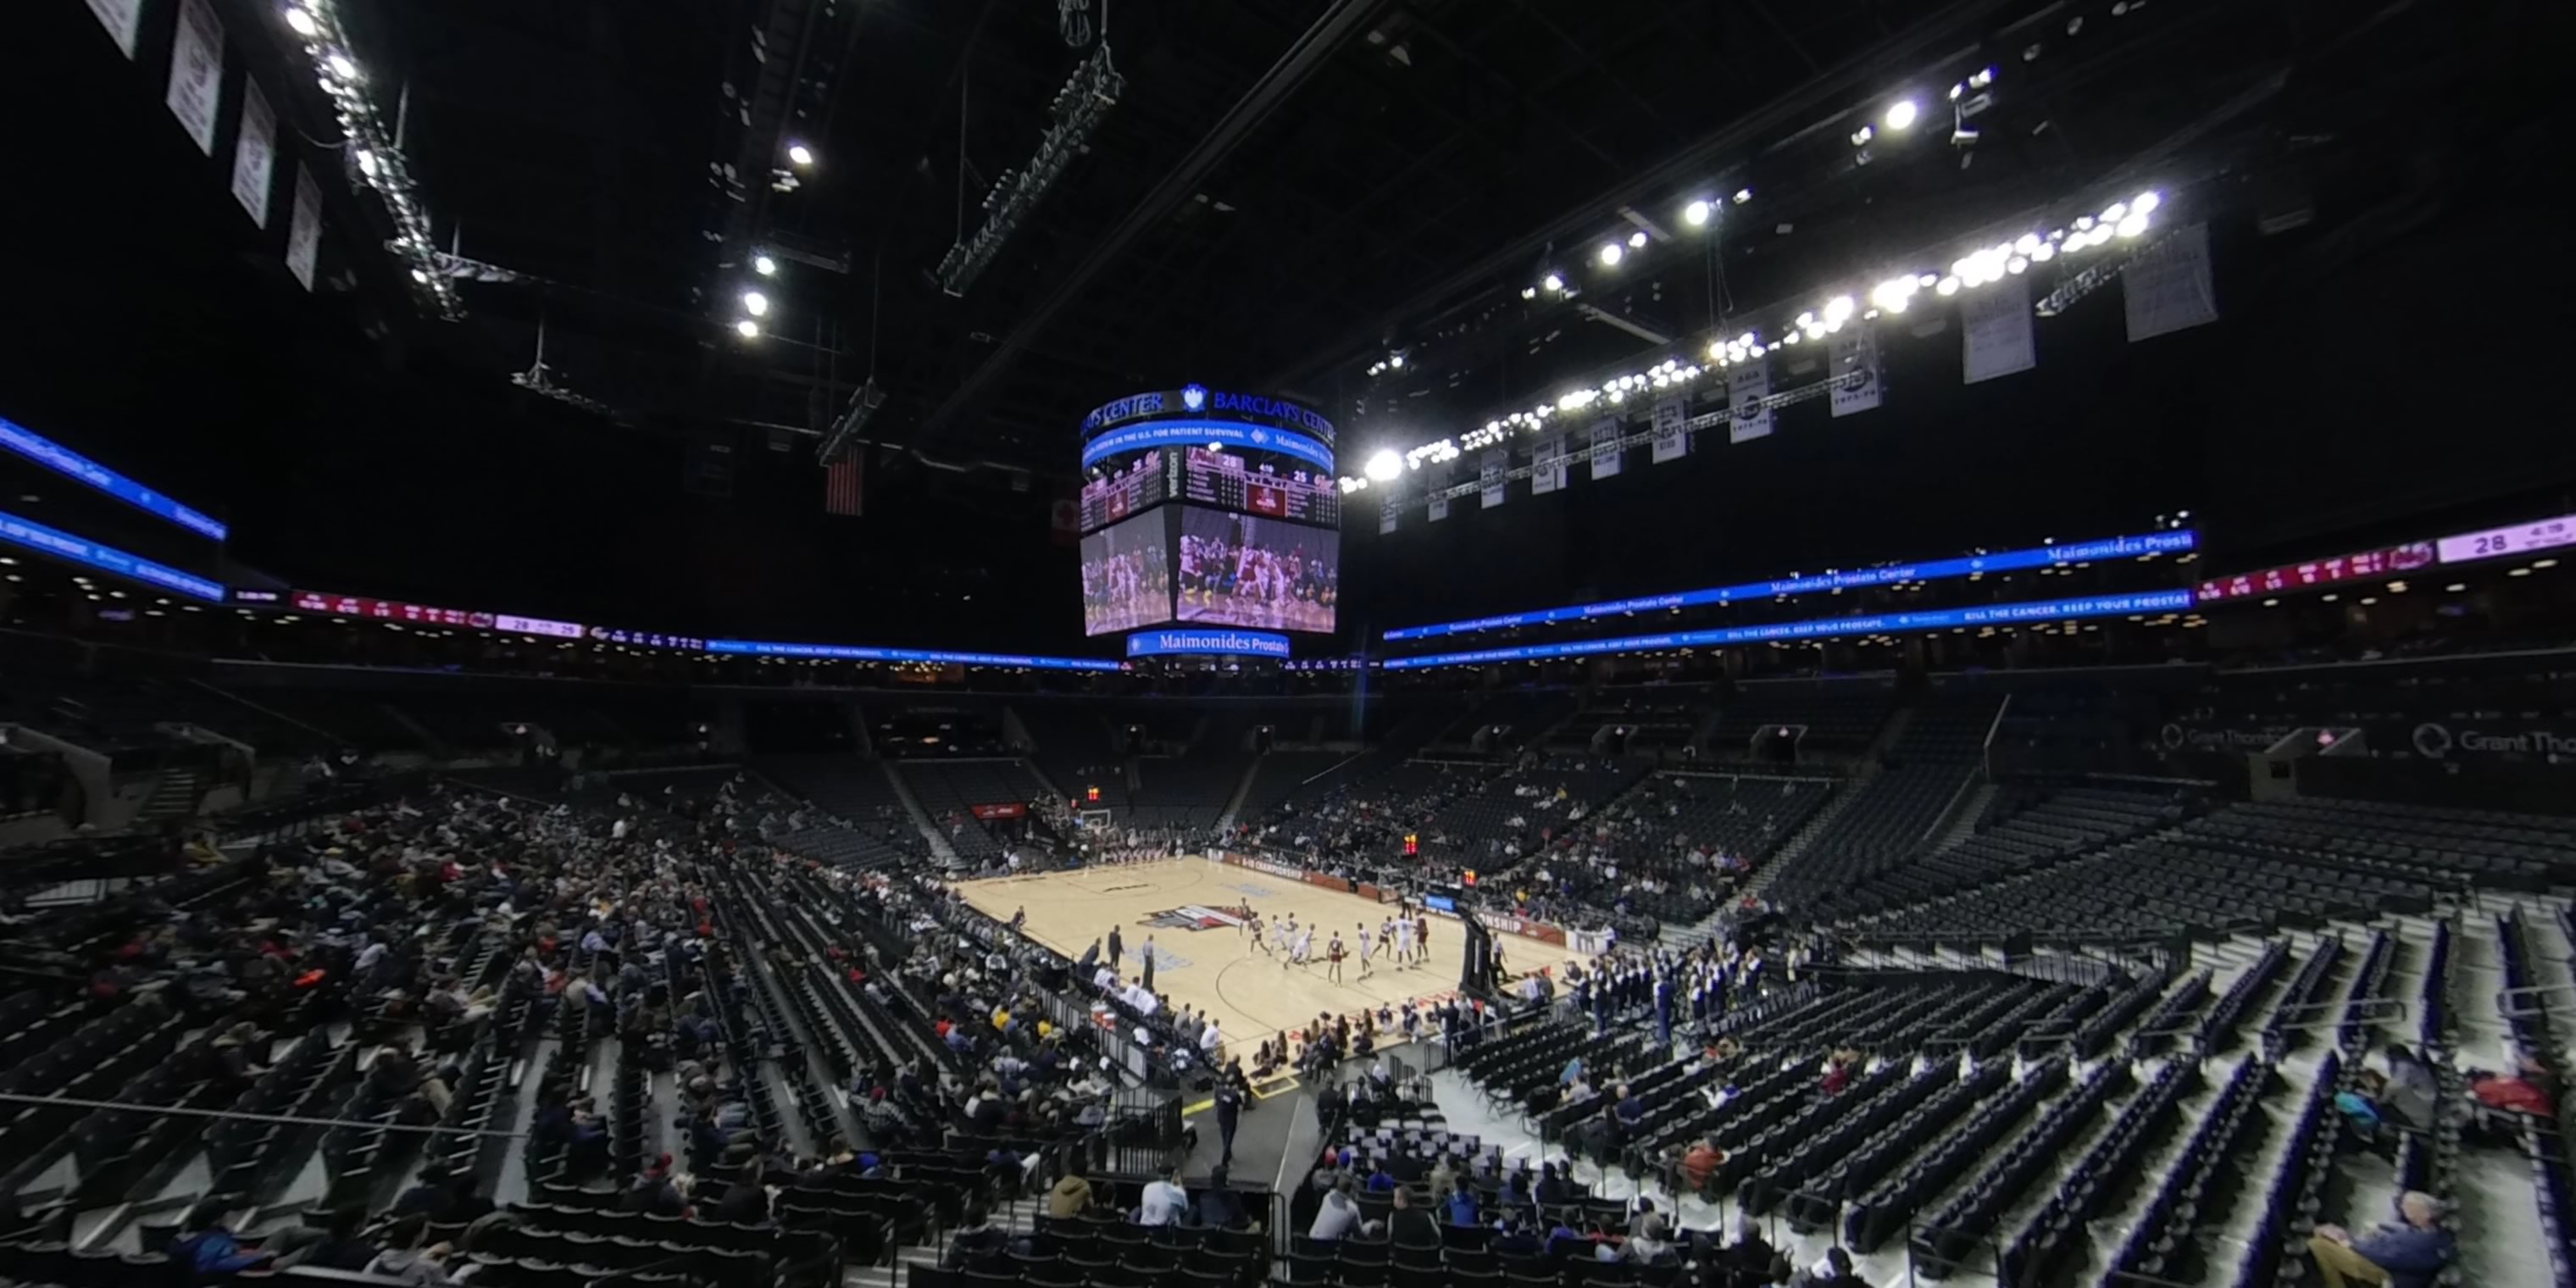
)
(841, 486)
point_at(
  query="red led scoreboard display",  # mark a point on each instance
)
(2392, 561)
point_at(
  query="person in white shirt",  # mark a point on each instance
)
(1104, 979)
(1305, 945)
(1368, 949)
(1404, 940)
(1165, 1202)
(1338, 1217)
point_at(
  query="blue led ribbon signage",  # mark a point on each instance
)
(1193, 400)
(72, 465)
(1939, 569)
(107, 559)
(1200, 433)
(856, 653)
(2049, 610)
(1225, 643)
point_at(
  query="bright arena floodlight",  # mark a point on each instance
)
(1696, 214)
(301, 22)
(1901, 114)
(799, 155)
(755, 304)
(1610, 253)
(764, 265)
(1385, 467)
(747, 329)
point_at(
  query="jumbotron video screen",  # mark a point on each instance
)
(1241, 570)
(1126, 576)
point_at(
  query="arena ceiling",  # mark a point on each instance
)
(1286, 193)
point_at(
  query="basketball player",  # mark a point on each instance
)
(1404, 942)
(1386, 935)
(1368, 949)
(1305, 945)
(1279, 932)
(1422, 938)
(1333, 958)
(1252, 934)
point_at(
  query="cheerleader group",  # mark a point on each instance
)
(1404, 939)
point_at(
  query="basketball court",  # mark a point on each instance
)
(1202, 958)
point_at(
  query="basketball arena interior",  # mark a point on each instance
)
(1301, 643)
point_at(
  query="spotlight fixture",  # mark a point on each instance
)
(1610, 253)
(1637, 240)
(1396, 360)
(1862, 136)
(1901, 113)
(1073, 116)
(799, 155)
(747, 329)
(1743, 195)
(301, 22)
(1529, 292)
(342, 66)
(1696, 214)
(1385, 467)
(1553, 282)
(764, 265)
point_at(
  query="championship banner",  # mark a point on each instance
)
(1498, 463)
(255, 154)
(304, 228)
(1994, 329)
(1672, 440)
(1855, 349)
(1605, 450)
(1547, 466)
(197, 72)
(1440, 484)
(1749, 383)
(2167, 288)
(123, 20)
(1387, 508)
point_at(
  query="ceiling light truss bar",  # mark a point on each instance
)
(1698, 424)
(371, 149)
(1086, 97)
(1313, 50)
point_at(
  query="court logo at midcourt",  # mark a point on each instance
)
(1192, 917)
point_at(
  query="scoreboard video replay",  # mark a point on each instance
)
(1207, 506)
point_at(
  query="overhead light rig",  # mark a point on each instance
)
(371, 150)
(1086, 97)
(2121, 221)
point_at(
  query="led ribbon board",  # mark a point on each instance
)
(1939, 569)
(2156, 601)
(857, 653)
(1193, 400)
(80, 469)
(1219, 643)
(107, 559)
(1200, 433)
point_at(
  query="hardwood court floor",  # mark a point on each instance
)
(1216, 970)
